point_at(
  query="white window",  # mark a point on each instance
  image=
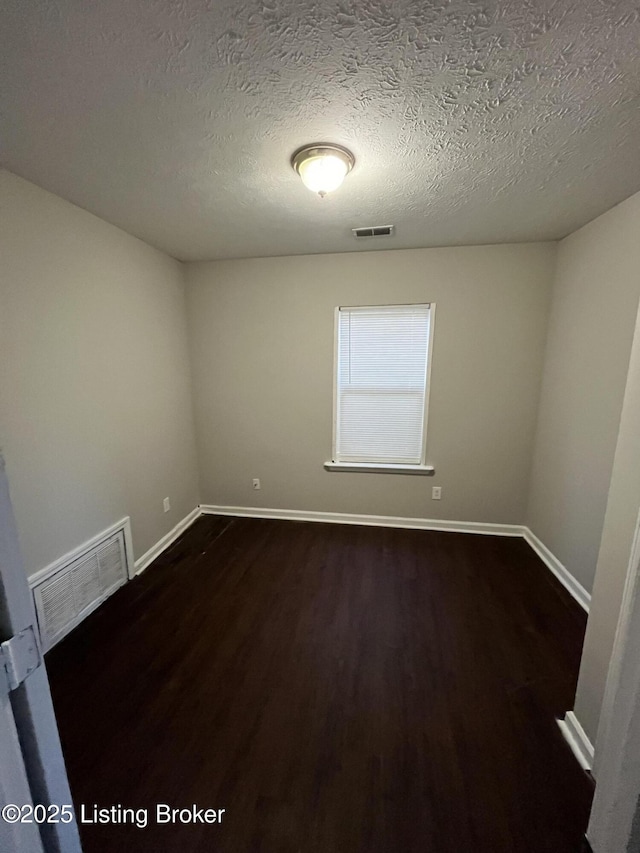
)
(381, 386)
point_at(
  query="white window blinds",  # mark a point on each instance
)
(381, 384)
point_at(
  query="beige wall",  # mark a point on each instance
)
(262, 353)
(95, 407)
(591, 325)
(620, 522)
(614, 824)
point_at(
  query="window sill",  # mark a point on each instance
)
(381, 468)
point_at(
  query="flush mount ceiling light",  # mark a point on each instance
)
(322, 167)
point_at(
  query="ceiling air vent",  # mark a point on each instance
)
(374, 231)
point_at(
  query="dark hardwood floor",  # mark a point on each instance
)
(333, 688)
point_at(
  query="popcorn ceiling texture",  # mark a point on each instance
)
(480, 121)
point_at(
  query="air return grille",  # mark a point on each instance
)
(70, 591)
(373, 231)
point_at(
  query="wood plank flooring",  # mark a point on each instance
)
(335, 689)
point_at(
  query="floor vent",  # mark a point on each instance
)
(374, 231)
(66, 592)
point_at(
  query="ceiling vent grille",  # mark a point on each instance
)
(373, 231)
(64, 597)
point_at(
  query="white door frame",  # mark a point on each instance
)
(39, 771)
(14, 785)
(614, 825)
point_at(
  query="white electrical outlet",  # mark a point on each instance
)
(436, 493)
(256, 484)
(166, 504)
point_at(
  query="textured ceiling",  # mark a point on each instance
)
(480, 121)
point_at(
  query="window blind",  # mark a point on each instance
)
(381, 384)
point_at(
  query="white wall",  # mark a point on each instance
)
(95, 405)
(261, 336)
(595, 297)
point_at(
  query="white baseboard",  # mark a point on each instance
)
(561, 572)
(573, 586)
(162, 544)
(577, 739)
(367, 520)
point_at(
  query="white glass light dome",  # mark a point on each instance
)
(322, 167)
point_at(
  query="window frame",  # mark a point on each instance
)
(382, 466)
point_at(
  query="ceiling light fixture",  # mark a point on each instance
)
(323, 167)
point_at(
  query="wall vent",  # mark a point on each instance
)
(68, 590)
(373, 231)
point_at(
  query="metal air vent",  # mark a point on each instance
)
(78, 583)
(373, 231)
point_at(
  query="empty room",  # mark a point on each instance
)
(320, 426)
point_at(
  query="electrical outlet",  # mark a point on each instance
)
(166, 504)
(436, 493)
(256, 484)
